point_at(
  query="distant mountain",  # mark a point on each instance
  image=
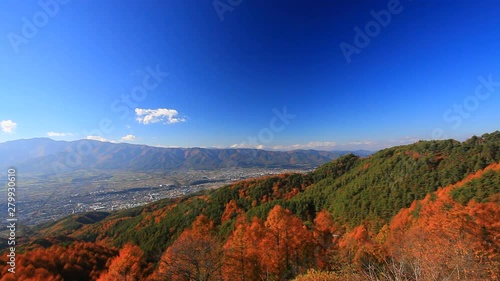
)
(19, 151)
(44, 155)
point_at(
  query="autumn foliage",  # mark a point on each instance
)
(438, 238)
(195, 255)
(242, 252)
(79, 261)
(342, 222)
(129, 265)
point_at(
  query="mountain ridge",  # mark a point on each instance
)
(44, 155)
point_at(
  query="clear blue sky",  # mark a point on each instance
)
(66, 66)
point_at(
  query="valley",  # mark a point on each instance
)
(51, 197)
(116, 176)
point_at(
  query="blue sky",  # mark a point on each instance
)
(268, 74)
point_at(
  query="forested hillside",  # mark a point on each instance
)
(426, 211)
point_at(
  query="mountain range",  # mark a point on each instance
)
(44, 155)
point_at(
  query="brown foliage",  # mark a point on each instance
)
(232, 210)
(195, 255)
(129, 265)
(314, 275)
(286, 244)
(326, 234)
(79, 261)
(438, 238)
(242, 253)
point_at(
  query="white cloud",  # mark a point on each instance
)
(328, 145)
(167, 146)
(317, 145)
(8, 126)
(168, 116)
(129, 138)
(241, 145)
(55, 134)
(246, 145)
(99, 138)
(361, 143)
(409, 140)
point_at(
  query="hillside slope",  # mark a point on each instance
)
(348, 217)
